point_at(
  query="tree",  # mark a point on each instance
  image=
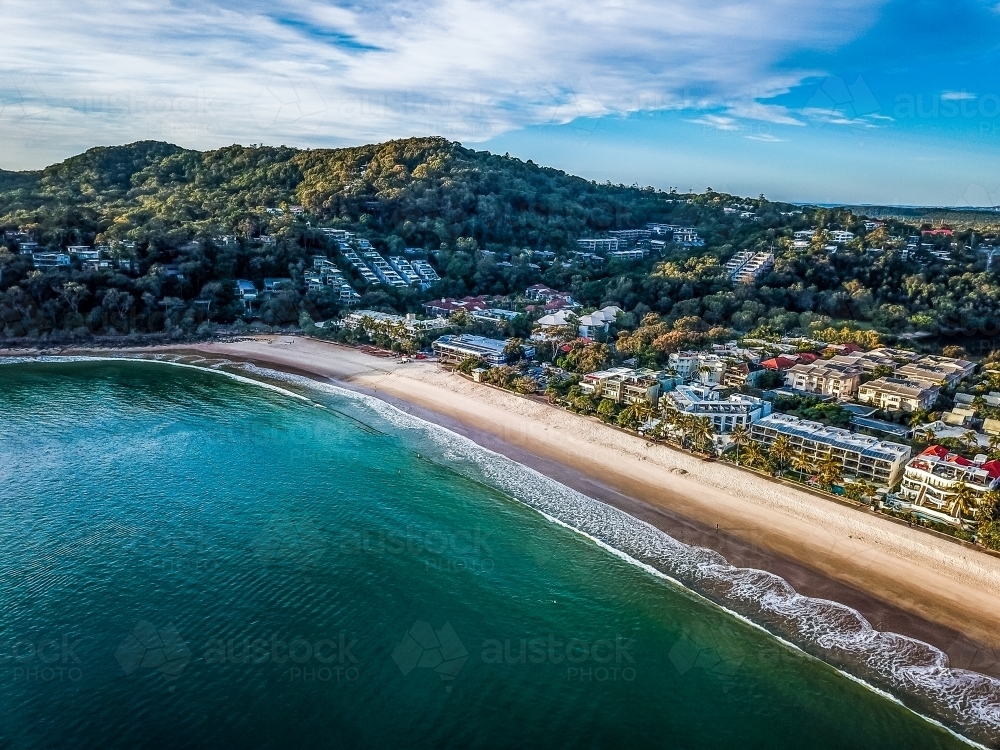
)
(740, 437)
(781, 451)
(754, 455)
(513, 350)
(606, 410)
(702, 433)
(961, 500)
(74, 294)
(829, 471)
(467, 365)
(802, 465)
(525, 385)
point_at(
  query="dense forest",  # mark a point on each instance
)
(181, 226)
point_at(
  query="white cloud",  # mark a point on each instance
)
(718, 122)
(766, 137)
(314, 72)
(957, 96)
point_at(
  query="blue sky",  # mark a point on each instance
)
(868, 101)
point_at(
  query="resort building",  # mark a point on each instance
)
(425, 271)
(933, 479)
(598, 321)
(742, 374)
(623, 385)
(824, 378)
(859, 455)
(703, 367)
(725, 414)
(49, 260)
(455, 349)
(898, 394)
(934, 370)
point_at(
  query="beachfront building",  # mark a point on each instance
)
(861, 456)
(898, 394)
(935, 478)
(725, 414)
(623, 385)
(934, 370)
(456, 349)
(395, 327)
(703, 367)
(824, 378)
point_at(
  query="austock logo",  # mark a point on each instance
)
(163, 650)
(425, 647)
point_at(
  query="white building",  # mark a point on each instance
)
(455, 349)
(839, 237)
(934, 370)
(49, 260)
(859, 455)
(898, 394)
(623, 385)
(703, 367)
(933, 478)
(746, 267)
(725, 414)
(598, 244)
(396, 327)
(824, 378)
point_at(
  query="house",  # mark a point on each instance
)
(49, 260)
(245, 290)
(447, 306)
(780, 363)
(839, 237)
(456, 349)
(598, 321)
(623, 385)
(725, 414)
(898, 394)
(932, 480)
(861, 456)
(742, 374)
(540, 293)
(824, 378)
(276, 285)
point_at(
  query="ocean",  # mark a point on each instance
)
(190, 559)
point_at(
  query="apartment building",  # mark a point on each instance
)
(824, 378)
(932, 479)
(623, 385)
(934, 370)
(396, 327)
(406, 271)
(631, 235)
(725, 414)
(746, 267)
(385, 273)
(598, 244)
(706, 368)
(839, 237)
(49, 260)
(425, 271)
(898, 394)
(859, 455)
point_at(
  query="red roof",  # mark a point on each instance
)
(992, 468)
(779, 363)
(851, 348)
(807, 358)
(961, 461)
(935, 450)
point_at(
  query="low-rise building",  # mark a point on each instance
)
(898, 394)
(702, 367)
(446, 306)
(276, 285)
(598, 244)
(396, 327)
(49, 260)
(598, 321)
(934, 478)
(725, 414)
(935, 370)
(861, 456)
(623, 385)
(455, 349)
(746, 267)
(824, 378)
(425, 271)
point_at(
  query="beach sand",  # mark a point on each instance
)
(901, 579)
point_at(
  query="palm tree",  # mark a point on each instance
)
(829, 471)
(781, 451)
(971, 440)
(702, 432)
(740, 437)
(802, 465)
(961, 501)
(755, 455)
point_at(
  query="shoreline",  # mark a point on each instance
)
(901, 580)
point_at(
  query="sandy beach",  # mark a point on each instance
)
(900, 579)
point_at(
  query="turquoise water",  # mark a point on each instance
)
(187, 560)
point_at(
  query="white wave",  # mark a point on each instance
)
(905, 666)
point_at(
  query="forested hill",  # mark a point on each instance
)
(426, 190)
(176, 228)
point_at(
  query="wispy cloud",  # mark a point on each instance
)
(766, 137)
(957, 96)
(718, 122)
(318, 72)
